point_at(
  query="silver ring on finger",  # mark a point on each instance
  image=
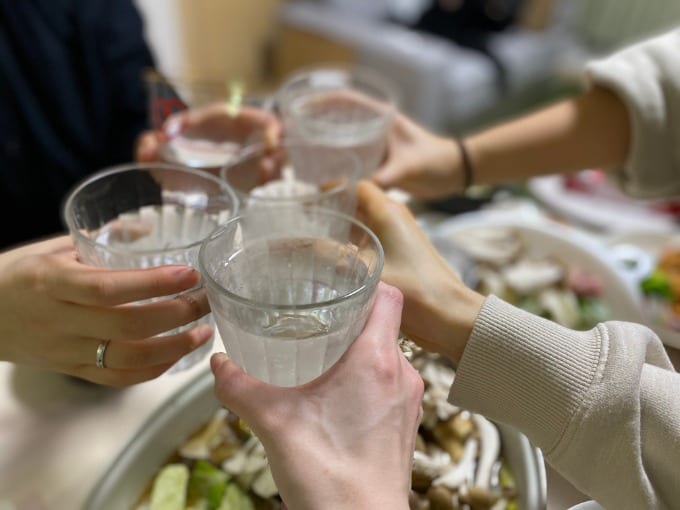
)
(101, 353)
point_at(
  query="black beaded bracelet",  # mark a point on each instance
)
(468, 171)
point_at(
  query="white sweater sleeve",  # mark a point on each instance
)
(647, 78)
(603, 405)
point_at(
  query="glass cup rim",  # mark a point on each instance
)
(251, 150)
(373, 78)
(105, 172)
(371, 282)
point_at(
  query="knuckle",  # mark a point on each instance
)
(194, 305)
(139, 356)
(37, 272)
(134, 326)
(385, 370)
(100, 289)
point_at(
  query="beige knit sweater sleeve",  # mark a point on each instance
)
(647, 77)
(603, 405)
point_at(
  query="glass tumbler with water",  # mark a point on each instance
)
(341, 108)
(226, 118)
(290, 288)
(140, 216)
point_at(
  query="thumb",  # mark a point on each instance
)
(372, 204)
(234, 388)
(388, 176)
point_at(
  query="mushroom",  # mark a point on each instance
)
(201, 444)
(436, 407)
(264, 485)
(490, 445)
(452, 434)
(562, 304)
(491, 282)
(478, 498)
(236, 464)
(433, 464)
(440, 498)
(496, 246)
(457, 474)
(529, 275)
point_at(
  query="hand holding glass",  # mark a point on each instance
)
(140, 216)
(222, 118)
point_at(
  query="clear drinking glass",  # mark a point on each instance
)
(342, 108)
(211, 143)
(294, 172)
(140, 216)
(290, 288)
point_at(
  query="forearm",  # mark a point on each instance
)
(601, 404)
(589, 131)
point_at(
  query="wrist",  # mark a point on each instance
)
(466, 167)
(454, 315)
(365, 493)
(448, 166)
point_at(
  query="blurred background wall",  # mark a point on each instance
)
(210, 39)
(445, 83)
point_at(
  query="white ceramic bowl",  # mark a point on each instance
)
(193, 405)
(544, 237)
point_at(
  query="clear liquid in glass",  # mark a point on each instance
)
(275, 342)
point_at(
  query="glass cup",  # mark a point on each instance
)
(147, 215)
(214, 140)
(340, 108)
(294, 172)
(290, 288)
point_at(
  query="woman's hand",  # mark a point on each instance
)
(214, 122)
(56, 311)
(425, 165)
(346, 439)
(439, 310)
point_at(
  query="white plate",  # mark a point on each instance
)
(609, 214)
(544, 237)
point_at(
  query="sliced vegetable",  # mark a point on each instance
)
(207, 482)
(593, 311)
(235, 499)
(169, 490)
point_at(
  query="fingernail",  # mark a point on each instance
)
(185, 273)
(204, 333)
(173, 127)
(217, 360)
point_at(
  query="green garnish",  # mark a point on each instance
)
(657, 284)
(208, 483)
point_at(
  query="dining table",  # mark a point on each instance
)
(59, 434)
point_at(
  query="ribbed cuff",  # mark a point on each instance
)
(525, 371)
